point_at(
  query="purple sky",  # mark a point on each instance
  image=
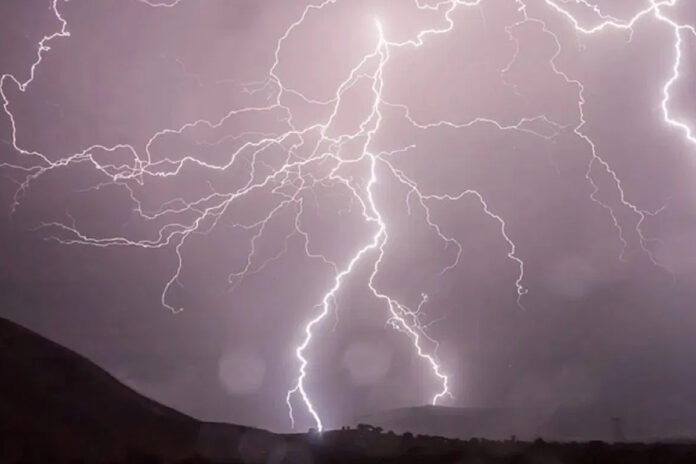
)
(149, 212)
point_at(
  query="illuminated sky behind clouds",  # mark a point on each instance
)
(594, 328)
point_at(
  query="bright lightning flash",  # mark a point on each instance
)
(315, 156)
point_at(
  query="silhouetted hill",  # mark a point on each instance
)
(55, 403)
(58, 407)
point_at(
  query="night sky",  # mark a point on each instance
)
(186, 182)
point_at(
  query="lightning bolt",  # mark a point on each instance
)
(315, 157)
(401, 317)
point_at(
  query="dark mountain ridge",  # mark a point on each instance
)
(55, 403)
(58, 407)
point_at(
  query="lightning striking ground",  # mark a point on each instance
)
(314, 156)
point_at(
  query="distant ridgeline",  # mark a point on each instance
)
(602, 422)
(464, 423)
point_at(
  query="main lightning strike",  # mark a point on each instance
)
(293, 178)
(402, 318)
(371, 214)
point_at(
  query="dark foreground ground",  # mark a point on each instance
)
(346, 448)
(57, 407)
(355, 447)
